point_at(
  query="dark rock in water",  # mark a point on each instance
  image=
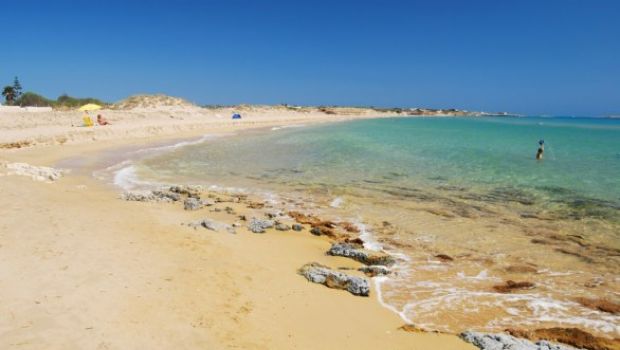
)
(444, 257)
(603, 305)
(365, 257)
(316, 231)
(317, 273)
(501, 341)
(192, 204)
(521, 269)
(511, 286)
(259, 226)
(297, 227)
(282, 227)
(374, 270)
(357, 242)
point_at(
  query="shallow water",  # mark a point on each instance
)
(468, 188)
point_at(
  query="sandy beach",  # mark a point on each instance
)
(83, 269)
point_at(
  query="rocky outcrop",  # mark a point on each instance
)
(317, 273)
(212, 225)
(571, 336)
(364, 256)
(374, 270)
(500, 341)
(150, 196)
(190, 191)
(259, 225)
(193, 203)
(37, 173)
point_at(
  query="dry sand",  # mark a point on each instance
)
(82, 269)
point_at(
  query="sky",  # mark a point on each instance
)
(530, 57)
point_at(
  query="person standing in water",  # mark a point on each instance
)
(541, 150)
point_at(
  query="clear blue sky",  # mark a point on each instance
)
(542, 56)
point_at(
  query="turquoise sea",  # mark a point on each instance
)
(470, 188)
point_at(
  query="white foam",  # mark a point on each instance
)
(287, 127)
(198, 141)
(369, 241)
(378, 282)
(337, 202)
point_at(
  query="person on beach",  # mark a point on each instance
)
(541, 150)
(101, 120)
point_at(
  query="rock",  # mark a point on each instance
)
(600, 304)
(511, 286)
(315, 231)
(259, 226)
(37, 173)
(282, 227)
(190, 191)
(357, 242)
(374, 270)
(167, 195)
(150, 196)
(571, 336)
(500, 341)
(444, 257)
(317, 273)
(349, 227)
(211, 225)
(365, 257)
(297, 227)
(229, 210)
(138, 196)
(192, 203)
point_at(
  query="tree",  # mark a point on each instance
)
(17, 87)
(9, 94)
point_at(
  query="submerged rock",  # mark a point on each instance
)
(317, 273)
(501, 341)
(297, 227)
(571, 336)
(511, 286)
(365, 257)
(259, 226)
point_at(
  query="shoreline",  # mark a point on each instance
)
(360, 320)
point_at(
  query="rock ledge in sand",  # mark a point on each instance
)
(500, 341)
(37, 173)
(349, 250)
(317, 273)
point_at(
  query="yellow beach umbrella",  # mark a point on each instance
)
(90, 107)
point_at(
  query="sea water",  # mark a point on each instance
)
(466, 188)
